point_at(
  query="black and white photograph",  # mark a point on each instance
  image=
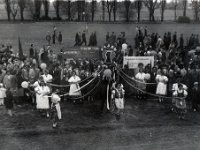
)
(99, 75)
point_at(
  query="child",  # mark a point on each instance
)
(2, 94)
(9, 102)
(55, 107)
(118, 96)
(180, 104)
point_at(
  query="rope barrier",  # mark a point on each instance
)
(68, 85)
(86, 84)
(74, 98)
(66, 94)
(135, 79)
(151, 94)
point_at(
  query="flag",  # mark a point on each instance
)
(21, 55)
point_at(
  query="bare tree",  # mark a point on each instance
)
(8, 9)
(69, 8)
(138, 5)
(103, 10)
(81, 9)
(14, 8)
(56, 5)
(151, 5)
(162, 8)
(184, 7)
(46, 4)
(196, 9)
(22, 6)
(175, 8)
(93, 8)
(38, 5)
(114, 9)
(127, 5)
(30, 8)
(109, 6)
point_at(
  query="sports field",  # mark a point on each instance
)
(35, 32)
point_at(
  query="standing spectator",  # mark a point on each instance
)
(145, 31)
(195, 96)
(161, 84)
(54, 30)
(95, 39)
(9, 102)
(42, 101)
(74, 86)
(54, 38)
(174, 40)
(141, 84)
(181, 44)
(84, 39)
(60, 38)
(107, 37)
(31, 51)
(48, 38)
(77, 39)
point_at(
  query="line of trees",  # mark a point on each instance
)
(86, 10)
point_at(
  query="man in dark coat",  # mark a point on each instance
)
(31, 51)
(60, 38)
(181, 45)
(84, 41)
(195, 96)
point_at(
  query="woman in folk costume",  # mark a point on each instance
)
(74, 86)
(180, 94)
(140, 77)
(161, 80)
(42, 100)
(118, 96)
(55, 108)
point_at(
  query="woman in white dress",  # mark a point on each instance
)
(161, 80)
(74, 86)
(42, 100)
(140, 77)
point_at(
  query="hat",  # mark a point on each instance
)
(196, 83)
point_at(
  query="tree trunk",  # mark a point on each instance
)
(175, 14)
(184, 7)
(127, 15)
(22, 14)
(103, 10)
(109, 16)
(114, 10)
(138, 15)
(162, 16)
(150, 15)
(58, 10)
(8, 9)
(69, 10)
(92, 16)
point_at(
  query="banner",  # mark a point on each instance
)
(82, 52)
(133, 61)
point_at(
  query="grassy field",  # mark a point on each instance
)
(35, 32)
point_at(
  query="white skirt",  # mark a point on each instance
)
(42, 102)
(119, 102)
(72, 90)
(161, 89)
